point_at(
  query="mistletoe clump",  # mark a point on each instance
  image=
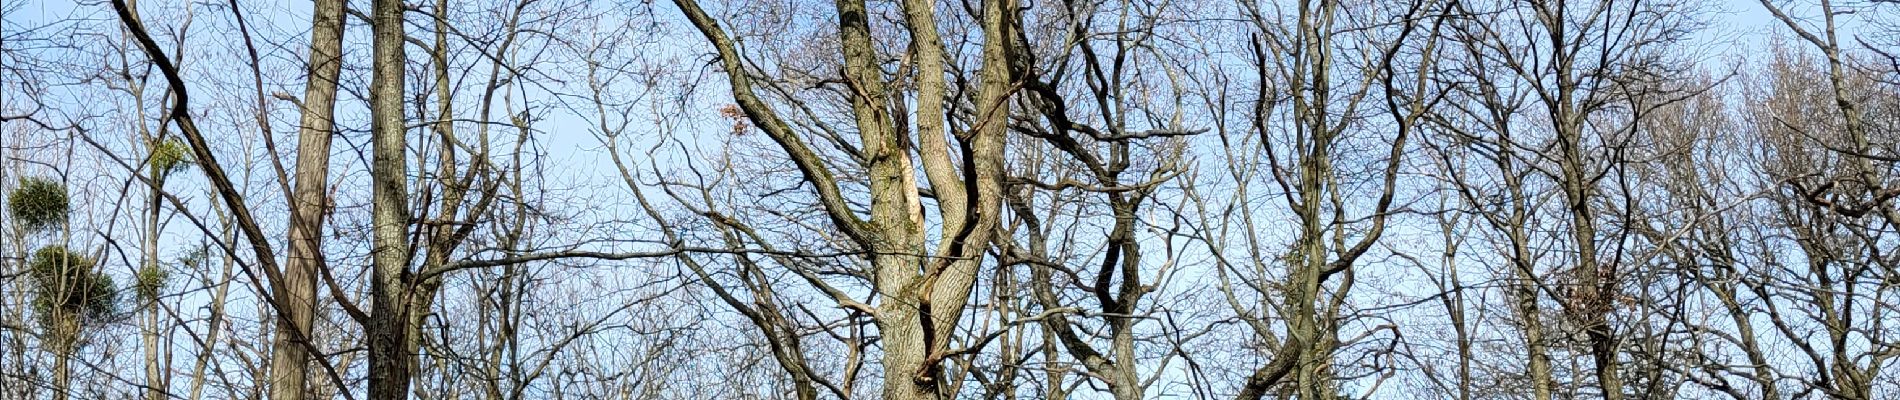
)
(38, 203)
(151, 279)
(69, 290)
(169, 155)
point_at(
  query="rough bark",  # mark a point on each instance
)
(389, 363)
(925, 292)
(290, 361)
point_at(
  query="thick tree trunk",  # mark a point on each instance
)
(904, 354)
(290, 361)
(389, 362)
(924, 291)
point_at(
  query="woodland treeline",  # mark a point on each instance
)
(978, 199)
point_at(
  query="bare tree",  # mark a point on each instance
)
(1318, 73)
(916, 199)
(921, 289)
(1587, 59)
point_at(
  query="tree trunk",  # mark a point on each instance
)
(63, 339)
(389, 363)
(154, 377)
(290, 361)
(1596, 283)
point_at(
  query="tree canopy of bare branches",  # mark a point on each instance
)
(935, 200)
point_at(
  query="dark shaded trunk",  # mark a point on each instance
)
(389, 360)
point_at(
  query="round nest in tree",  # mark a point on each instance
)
(38, 203)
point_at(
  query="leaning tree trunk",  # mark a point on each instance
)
(290, 360)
